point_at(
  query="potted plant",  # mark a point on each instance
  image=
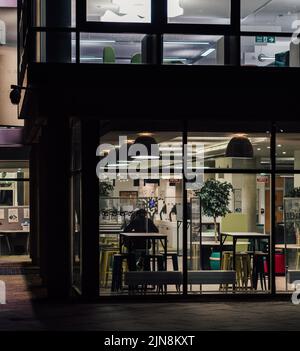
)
(215, 198)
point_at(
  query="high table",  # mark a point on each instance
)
(151, 237)
(243, 235)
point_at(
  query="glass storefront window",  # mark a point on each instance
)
(228, 245)
(14, 208)
(194, 49)
(119, 11)
(199, 11)
(147, 200)
(112, 48)
(270, 15)
(287, 237)
(288, 151)
(269, 51)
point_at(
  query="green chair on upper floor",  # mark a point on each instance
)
(109, 55)
(136, 58)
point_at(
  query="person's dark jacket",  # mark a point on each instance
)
(140, 225)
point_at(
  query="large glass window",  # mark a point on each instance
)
(270, 15)
(194, 49)
(128, 11)
(269, 51)
(199, 11)
(230, 213)
(14, 210)
(141, 212)
(113, 48)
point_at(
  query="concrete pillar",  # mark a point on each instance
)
(54, 207)
(249, 199)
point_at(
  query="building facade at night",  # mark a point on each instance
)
(221, 76)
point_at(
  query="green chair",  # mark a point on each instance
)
(236, 222)
(109, 55)
(136, 58)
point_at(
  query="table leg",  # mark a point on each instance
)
(8, 244)
(120, 243)
(221, 249)
(166, 253)
(154, 251)
(234, 258)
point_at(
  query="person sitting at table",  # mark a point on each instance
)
(140, 223)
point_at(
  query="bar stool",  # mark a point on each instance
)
(298, 260)
(118, 269)
(159, 261)
(174, 257)
(106, 262)
(259, 270)
(242, 266)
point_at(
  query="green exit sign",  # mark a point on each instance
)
(265, 39)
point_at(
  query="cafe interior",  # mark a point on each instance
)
(226, 225)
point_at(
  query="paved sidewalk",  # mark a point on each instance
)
(21, 314)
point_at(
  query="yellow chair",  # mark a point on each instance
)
(106, 262)
(238, 222)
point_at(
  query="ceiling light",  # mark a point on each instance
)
(95, 41)
(279, 145)
(207, 52)
(145, 134)
(187, 42)
(239, 147)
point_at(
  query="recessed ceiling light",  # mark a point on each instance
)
(145, 134)
(284, 152)
(258, 149)
(279, 145)
(207, 52)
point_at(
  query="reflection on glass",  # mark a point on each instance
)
(194, 49)
(128, 11)
(270, 15)
(199, 11)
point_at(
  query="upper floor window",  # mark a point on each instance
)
(199, 11)
(270, 15)
(118, 11)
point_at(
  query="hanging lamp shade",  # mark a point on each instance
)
(147, 141)
(239, 147)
